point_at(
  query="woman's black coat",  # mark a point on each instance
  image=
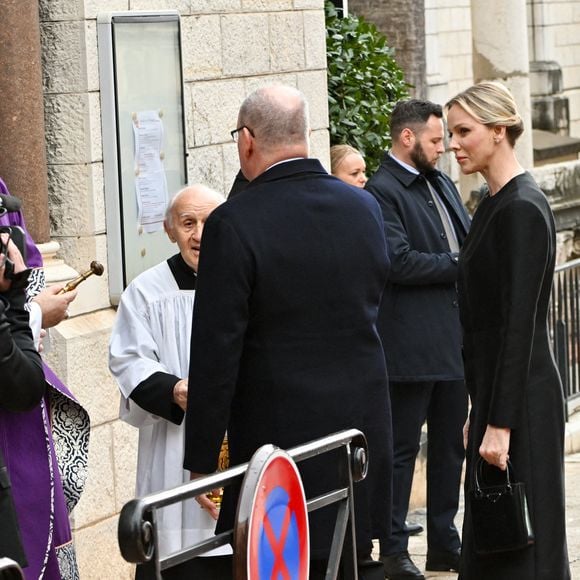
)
(505, 278)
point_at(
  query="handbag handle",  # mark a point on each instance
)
(479, 476)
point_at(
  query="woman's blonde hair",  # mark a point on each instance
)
(491, 104)
(337, 155)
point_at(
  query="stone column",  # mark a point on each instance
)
(22, 143)
(500, 52)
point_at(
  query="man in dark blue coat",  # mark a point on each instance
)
(425, 224)
(284, 344)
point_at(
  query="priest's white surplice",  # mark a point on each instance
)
(152, 334)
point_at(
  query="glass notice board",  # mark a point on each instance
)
(144, 144)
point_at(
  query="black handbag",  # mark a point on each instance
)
(499, 512)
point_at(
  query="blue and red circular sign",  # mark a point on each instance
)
(277, 534)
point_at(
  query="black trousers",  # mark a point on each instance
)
(211, 568)
(220, 568)
(366, 571)
(444, 406)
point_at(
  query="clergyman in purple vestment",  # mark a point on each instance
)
(45, 450)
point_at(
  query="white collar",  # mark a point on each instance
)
(403, 164)
(283, 161)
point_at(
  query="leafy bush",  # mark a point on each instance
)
(364, 83)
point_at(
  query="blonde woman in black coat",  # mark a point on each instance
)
(506, 268)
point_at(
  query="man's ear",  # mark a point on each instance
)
(246, 153)
(247, 147)
(407, 137)
(169, 231)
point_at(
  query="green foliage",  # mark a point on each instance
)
(364, 83)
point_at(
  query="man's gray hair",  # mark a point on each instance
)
(277, 115)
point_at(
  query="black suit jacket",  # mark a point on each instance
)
(284, 346)
(240, 183)
(419, 316)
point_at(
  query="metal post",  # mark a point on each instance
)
(561, 350)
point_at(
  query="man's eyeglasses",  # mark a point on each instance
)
(236, 133)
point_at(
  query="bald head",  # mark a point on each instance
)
(185, 217)
(276, 128)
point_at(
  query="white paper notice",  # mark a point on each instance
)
(150, 180)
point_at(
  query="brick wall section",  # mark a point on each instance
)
(403, 23)
(230, 47)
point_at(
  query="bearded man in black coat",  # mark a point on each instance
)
(425, 224)
(284, 344)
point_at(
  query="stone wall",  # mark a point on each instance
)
(561, 183)
(228, 54)
(554, 35)
(440, 64)
(448, 47)
(230, 47)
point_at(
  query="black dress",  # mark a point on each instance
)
(505, 277)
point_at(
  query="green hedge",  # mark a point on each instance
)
(364, 83)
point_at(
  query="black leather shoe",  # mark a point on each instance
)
(369, 569)
(400, 567)
(413, 528)
(443, 561)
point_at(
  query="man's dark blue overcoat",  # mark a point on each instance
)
(284, 345)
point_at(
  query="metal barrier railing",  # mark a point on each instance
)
(10, 570)
(564, 326)
(137, 532)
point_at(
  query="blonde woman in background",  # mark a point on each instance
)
(348, 164)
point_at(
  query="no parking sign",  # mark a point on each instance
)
(271, 536)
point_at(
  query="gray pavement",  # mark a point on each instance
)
(418, 544)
